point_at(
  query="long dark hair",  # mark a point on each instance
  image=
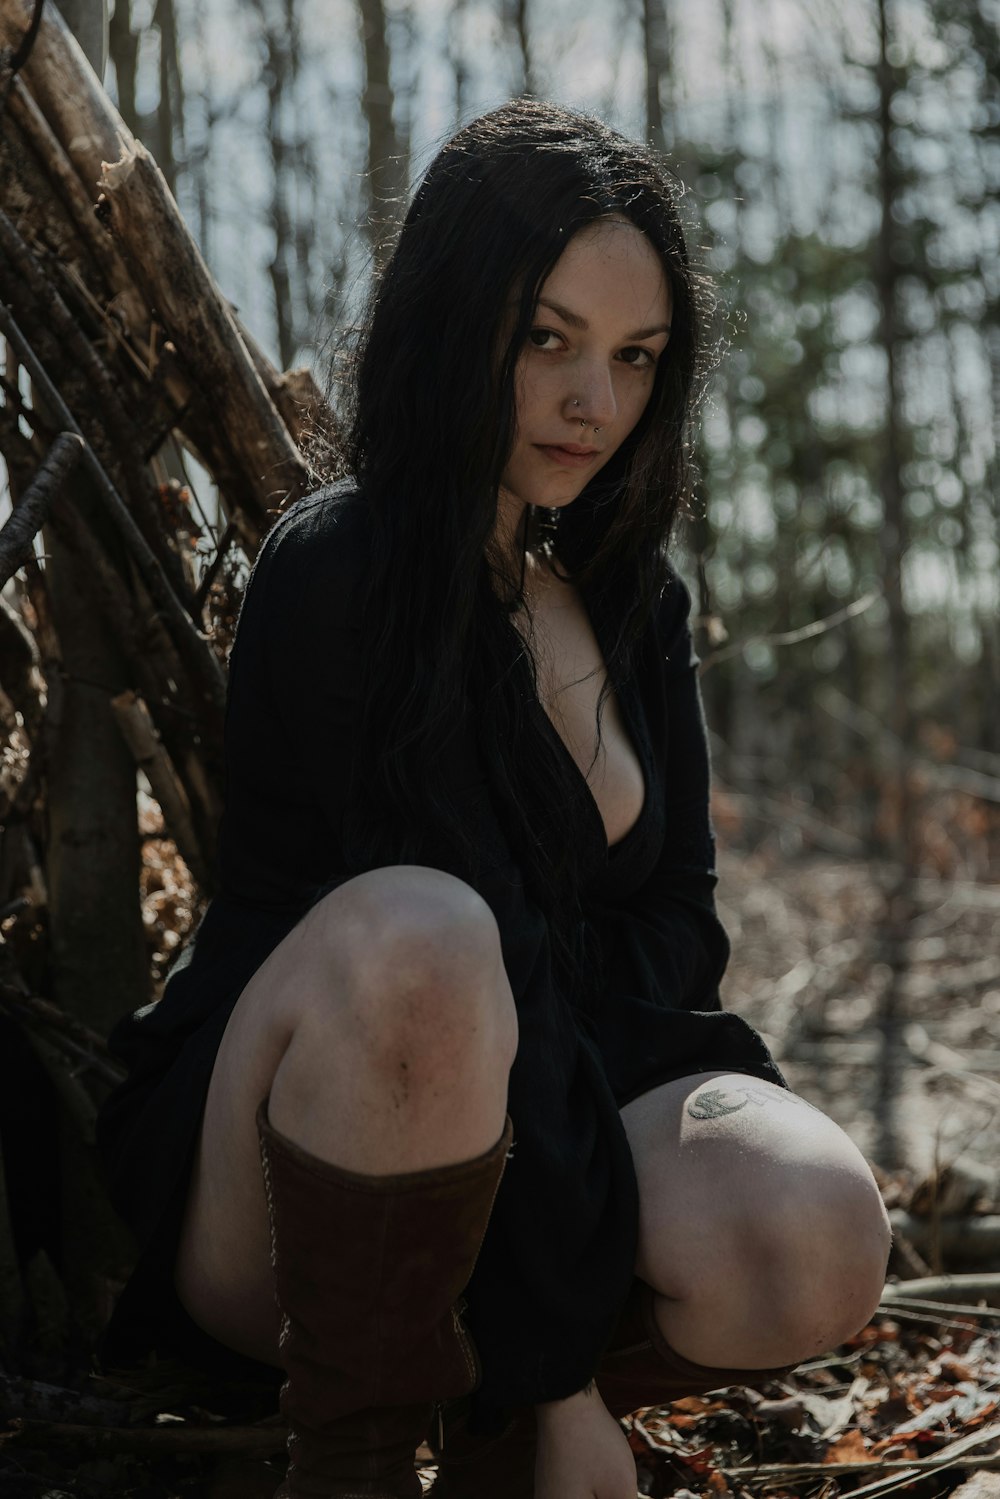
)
(430, 421)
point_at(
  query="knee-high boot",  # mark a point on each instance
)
(369, 1272)
(640, 1368)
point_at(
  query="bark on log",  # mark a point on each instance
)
(180, 290)
(202, 664)
(89, 132)
(957, 1290)
(105, 418)
(163, 1441)
(17, 536)
(151, 757)
(38, 137)
(68, 90)
(965, 1239)
(37, 1400)
(98, 950)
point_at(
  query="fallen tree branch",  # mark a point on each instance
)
(192, 646)
(965, 1238)
(33, 1399)
(132, 717)
(176, 282)
(108, 408)
(945, 1293)
(43, 141)
(17, 536)
(158, 1441)
(71, 1037)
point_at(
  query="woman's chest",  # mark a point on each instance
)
(571, 676)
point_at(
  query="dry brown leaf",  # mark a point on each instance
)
(850, 1448)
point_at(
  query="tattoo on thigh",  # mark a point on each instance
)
(713, 1103)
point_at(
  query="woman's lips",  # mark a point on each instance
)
(570, 457)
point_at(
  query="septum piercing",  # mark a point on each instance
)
(586, 424)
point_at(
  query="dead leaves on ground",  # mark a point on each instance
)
(902, 1404)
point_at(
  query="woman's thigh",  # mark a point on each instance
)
(760, 1222)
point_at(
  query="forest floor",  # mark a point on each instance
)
(912, 1403)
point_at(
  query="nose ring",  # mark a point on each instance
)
(586, 424)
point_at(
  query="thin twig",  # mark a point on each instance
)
(206, 583)
(793, 637)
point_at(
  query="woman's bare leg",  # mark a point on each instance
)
(760, 1224)
(383, 1028)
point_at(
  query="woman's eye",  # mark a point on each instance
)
(637, 357)
(539, 338)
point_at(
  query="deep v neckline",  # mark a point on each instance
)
(634, 730)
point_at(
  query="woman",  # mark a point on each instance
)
(458, 993)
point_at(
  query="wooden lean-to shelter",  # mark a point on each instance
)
(124, 369)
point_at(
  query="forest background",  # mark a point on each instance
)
(841, 167)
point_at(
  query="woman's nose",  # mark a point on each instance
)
(592, 400)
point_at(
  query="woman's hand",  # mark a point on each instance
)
(582, 1451)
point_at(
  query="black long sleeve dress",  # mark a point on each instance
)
(557, 1261)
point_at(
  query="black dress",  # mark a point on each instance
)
(557, 1261)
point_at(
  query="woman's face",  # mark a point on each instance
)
(586, 372)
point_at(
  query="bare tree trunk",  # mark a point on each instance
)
(990, 622)
(169, 137)
(899, 906)
(656, 54)
(280, 44)
(88, 21)
(528, 82)
(457, 58)
(387, 152)
(124, 45)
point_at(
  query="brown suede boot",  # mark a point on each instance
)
(368, 1275)
(639, 1369)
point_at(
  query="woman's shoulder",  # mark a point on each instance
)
(319, 548)
(333, 520)
(673, 616)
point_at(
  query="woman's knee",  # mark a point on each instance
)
(815, 1252)
(411, 958)
(759, 1216)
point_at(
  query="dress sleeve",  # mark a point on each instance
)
(557, 1261)
(664, 947)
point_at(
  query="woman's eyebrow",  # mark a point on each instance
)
(574, 320)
